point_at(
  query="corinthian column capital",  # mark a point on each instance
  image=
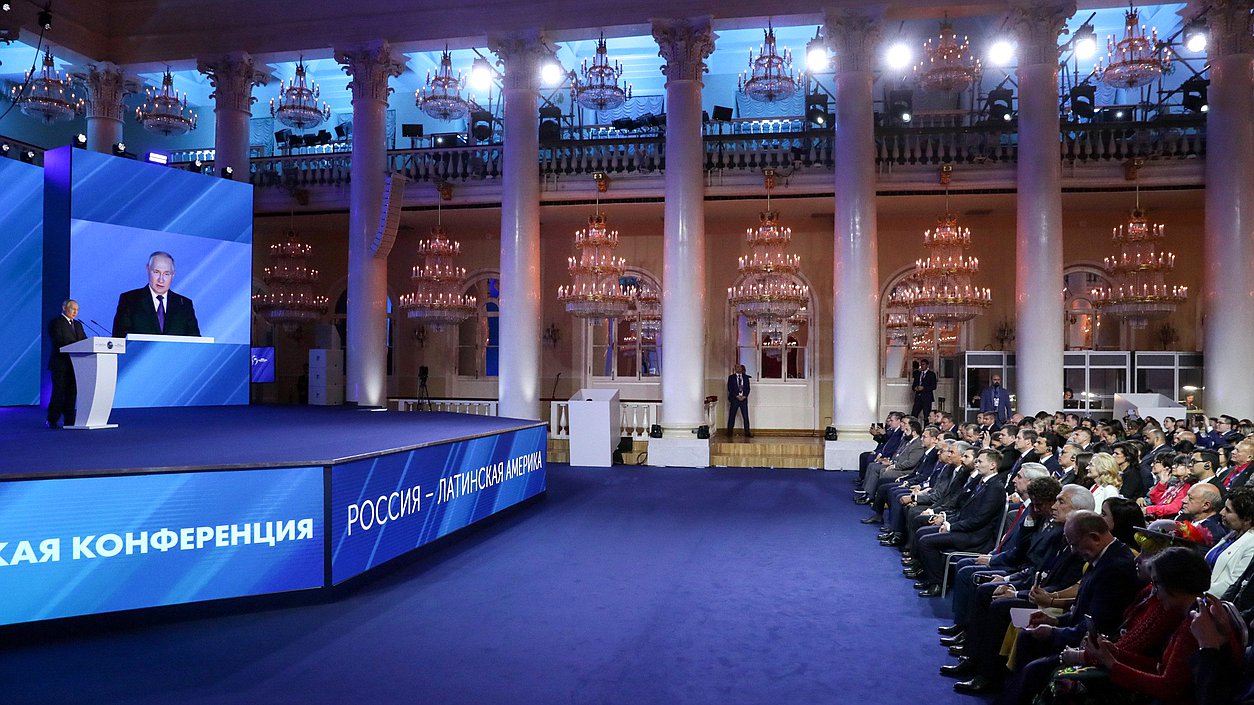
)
(854, 37)
(685, 44)
(521, 52)
(370, 65)
(1037, 24)
(232, 77)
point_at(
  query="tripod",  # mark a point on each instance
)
(424, 394)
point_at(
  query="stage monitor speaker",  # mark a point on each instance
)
(722, 113)
(655, 431)
(829, 434)
(703, 432)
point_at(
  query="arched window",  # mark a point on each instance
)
(628, 348)
(340, 320)
(782, 354)
(479, 337)
(1085, 328)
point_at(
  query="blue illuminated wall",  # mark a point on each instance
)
(21, 265)
(101, 544)
(106, 215)
(386, 506)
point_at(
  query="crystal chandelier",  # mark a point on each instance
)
(948, 64)
(1138, 292)
(48, 97)
(441, 98)
(599, 89)
(596, 291)
(298, 102)
(770, 77)
(164, 112)
(768, 294)
(437, 299)
(646, 303)
(900, 321)
(1135, 60)
(941, 289)
(290, 299)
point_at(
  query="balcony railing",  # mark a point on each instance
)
(894, 147)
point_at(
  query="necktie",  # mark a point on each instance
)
(161, 313)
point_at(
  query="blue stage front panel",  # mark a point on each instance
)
(209, 374)
(387, 506)
(90, 545)
(21, 271)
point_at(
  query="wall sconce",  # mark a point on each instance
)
(602, 180)
(552, 334)
(445, 189)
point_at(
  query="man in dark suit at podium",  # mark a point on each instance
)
(63, 330)
(738, 398)
(923, 382)
(154, 309)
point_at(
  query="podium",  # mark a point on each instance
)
(595, 420)
(96, 375)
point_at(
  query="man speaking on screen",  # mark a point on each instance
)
(154, 309)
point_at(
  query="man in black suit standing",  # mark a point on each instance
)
(154, 309)
(63, 330)
(923, 382)
(738, 398)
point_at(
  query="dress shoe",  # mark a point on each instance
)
(891, 542)
(933, 591)
(908, 561)
(959, 651)
(977, 686)
(748, 435)
(913, 573)
(953, 640)
(965, 668)
(51, 424)
(862, 501)
(922, 585)
(872, 520)
(951, 630)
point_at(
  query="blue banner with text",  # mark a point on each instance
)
(386, 506)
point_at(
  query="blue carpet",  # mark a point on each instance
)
(624, 585)
(225, 437)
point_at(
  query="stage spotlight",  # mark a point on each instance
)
(481, 125)
(120, 149)
(80, 141)
(5, 149)
(27, 156)
(1195, 36)
(481, 74)
(899, 56)
(228, 173)
(901, 105)
(1194, 97)
(4, 6)
(1000, 106)
(816, 111)
(817, 59)
(448, 139)
(722, 113)
(44, 18)
(1082, 98)
(550, 123)
(157, 158)
(551, 73)
(196, 166)
(1001, 53)
(1085, 41)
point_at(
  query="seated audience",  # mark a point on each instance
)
(1230, 556)
(1104, 474)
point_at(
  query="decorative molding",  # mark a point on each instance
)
(232, 77)
(1038, 24)
(521, 54)
(370, 66)
(107, 85)
(685, 45)
(854, 38)
(1230, 30)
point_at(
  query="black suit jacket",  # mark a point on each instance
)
(733, 390)
(981, 515)
(925, 379)
(1106, 590)
(136, 314)
(61, 332)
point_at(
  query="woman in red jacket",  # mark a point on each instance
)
(1174, 473)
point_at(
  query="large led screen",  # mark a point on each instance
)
(89, 545)
(386, 506)
(21, 264)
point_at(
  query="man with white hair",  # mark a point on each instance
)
(154, 309)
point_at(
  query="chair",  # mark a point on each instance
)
(952, 556)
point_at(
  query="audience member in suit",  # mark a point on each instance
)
(1157, 441)
(738, 400)
(948, 465)
(1203, 464)
(1234, 552)
(63, 330)
(1224, 433)
(923, 382)
(1238, 475)
(1024, 445)
(1107, 588)
(1046, 448)
(888, 436)
(154, 309)
(921, 472)
(1201, 506)
(1067, 456)
(972, 528)
(961, 489)
(996, 400)
(908, 454)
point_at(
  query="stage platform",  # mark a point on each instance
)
(225, 437)
(182, 505)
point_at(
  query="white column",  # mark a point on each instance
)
(370, 66)
(855, 281)
(232, 77)
(1038, 229)
(106, 85)
(518, 386)
(684, 45)
(1228, 296)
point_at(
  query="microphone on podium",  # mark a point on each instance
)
(97, 328)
